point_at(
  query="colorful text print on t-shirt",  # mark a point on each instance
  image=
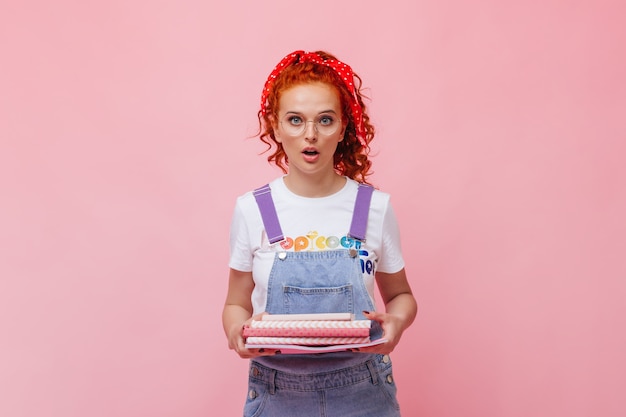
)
(313, 241)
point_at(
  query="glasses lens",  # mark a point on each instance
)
(295, 125)
(327, 125)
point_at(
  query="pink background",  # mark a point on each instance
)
(501, 137)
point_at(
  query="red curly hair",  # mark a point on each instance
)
(351, 157)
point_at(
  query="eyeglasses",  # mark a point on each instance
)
(294, 125)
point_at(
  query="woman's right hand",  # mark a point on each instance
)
(237, 314)
(236, 341)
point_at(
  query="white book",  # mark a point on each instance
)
(310, 324)
(311, 316)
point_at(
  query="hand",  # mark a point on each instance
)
(236, 342)
(392, 331)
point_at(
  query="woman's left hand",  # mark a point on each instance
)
(400, 310)
(392, 331)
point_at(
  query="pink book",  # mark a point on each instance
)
(309, 316)
(307, 332)
(310, 324)
(307, 341)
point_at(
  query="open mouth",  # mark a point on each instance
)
(310, 152)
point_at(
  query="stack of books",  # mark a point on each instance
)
(321, 329)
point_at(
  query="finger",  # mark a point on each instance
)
(373, 315)
(263, 352)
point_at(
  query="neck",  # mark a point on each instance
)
(314, 186)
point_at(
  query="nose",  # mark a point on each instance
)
(310, 130)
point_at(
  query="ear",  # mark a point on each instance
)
(344, 125)
(274, 125)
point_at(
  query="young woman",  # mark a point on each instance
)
(316, 240)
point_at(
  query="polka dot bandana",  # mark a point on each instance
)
(343, 70)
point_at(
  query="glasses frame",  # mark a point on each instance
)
(306, 122)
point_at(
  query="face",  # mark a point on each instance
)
(315, 107)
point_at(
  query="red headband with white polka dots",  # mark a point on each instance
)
(343, 70)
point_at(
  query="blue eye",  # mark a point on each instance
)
(326, 121)
(295, 120)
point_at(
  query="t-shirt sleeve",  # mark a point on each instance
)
(240, 247)
(391, 259)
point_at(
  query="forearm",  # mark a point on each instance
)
(404, 307)
(400, 308)
(237, 307)
(398, 297)
(233, 318)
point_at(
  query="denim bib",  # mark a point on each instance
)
(317, 282)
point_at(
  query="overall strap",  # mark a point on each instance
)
(263, 196)
(358, 227)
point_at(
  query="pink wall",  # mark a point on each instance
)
(123, 130)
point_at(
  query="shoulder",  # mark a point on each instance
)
(246, 203)
(379, 198)
(275, 185)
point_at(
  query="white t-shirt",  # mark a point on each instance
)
(312, 224)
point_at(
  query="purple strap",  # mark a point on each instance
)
(263, 196)
(361, 211)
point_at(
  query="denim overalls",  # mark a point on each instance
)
(339, 384)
